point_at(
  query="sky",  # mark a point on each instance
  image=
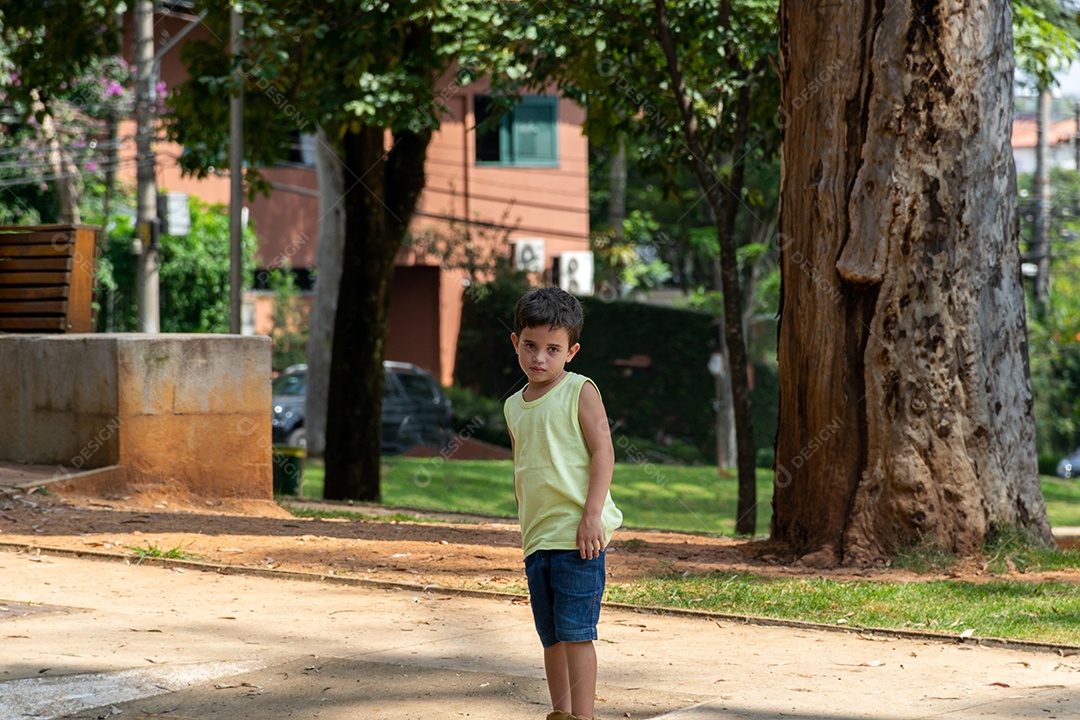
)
(1070, 82)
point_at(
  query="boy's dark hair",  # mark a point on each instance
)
(550, 306)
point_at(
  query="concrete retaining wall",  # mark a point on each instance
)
(190, 411)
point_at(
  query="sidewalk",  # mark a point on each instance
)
(93, 639)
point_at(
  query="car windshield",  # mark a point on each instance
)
(417, 386)
(289, 384)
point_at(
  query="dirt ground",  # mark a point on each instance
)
(197, 645)
(452, 551)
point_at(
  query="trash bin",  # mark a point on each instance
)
(288, 469)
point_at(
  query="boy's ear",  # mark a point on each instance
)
(514, 339)
(572, 351)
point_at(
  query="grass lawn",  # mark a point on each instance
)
(693, 499)
(1062, 501)
(689, 499)
(665, 497)
(1043, 612)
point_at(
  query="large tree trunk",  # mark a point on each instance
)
(328, 167)
(905, 405)
(382, 189)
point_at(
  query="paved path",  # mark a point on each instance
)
(92, 639)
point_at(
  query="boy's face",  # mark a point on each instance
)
(542, 352)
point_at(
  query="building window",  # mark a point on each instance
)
(526, 135)
(301, 150)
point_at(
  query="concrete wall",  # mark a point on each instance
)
(189, 411)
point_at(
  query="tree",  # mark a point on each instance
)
(61, 86)
(1044, 43)
(1054, 335)
(695, 81)
(194, 271)
(367, 74)
(905, 404)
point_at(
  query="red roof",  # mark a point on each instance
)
(1025, 132)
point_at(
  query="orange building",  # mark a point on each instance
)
(523, 186)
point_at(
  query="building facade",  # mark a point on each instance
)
(518, 190)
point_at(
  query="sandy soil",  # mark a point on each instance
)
(469, 552)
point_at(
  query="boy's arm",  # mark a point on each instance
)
(594, 425)
(517, 503)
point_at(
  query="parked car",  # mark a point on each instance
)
(415, 409)
(434, 412)
(1069, 466)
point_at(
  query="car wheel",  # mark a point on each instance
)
(297, 438)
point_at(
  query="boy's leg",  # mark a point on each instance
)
(581, 666)
(578, 589)
(558, 677)
(538, 571)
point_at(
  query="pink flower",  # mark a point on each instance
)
(91, 167)
(113, 88)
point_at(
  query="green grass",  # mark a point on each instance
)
(153, 551)
(1043, 612)
(666, 497)
(1015, 552)
(1062, 501)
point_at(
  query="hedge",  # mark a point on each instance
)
(672, 396)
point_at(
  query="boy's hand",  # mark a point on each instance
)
(590, 537)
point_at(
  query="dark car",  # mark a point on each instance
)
(415, 410)
(1069, 467)
(434, 413)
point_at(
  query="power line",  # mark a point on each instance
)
(513, 202)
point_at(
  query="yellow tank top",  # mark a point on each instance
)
(551, 467)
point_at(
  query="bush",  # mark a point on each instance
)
(480, 416)
(1048, 464)
(671, 398)
(193, 274)
(765, 458)
(637, 450)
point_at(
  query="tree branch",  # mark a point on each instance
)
(690, 125)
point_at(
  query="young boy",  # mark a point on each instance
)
(563, 460)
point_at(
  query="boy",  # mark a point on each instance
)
(563, 460)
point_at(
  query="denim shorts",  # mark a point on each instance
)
(565, 592)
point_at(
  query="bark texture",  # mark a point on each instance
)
(329, 169)
(382, 188)
(905, 403)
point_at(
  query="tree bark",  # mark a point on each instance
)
(68, 181)
(328, 167)
(905, 402)
(382, 188)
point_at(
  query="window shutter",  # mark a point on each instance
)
(534, 128)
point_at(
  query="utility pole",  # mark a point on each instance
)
(236, 179)
(1040, 244)
(145, 245)
(1076, 159)
(1076, 138)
